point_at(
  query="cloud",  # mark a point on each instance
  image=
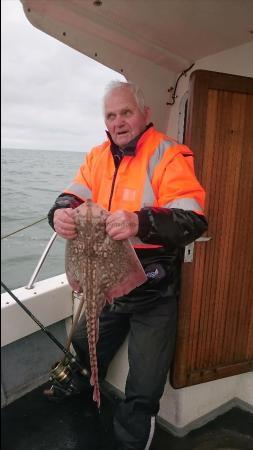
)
(51, 94)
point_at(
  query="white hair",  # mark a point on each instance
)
(136, 91)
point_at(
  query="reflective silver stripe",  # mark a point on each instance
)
(148, 198)
(157, 156)
(151, 433)
(80, 190)
(188, 204)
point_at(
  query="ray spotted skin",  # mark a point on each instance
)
(101, 268)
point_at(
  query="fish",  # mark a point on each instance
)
(100, 268)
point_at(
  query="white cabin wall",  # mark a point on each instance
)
(155, 82)
(245, 389)
(185, 409)
(118, 369)
(236, 61)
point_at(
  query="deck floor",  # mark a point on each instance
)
(34, 423)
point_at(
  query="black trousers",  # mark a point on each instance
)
(150, 350)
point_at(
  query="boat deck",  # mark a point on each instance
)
(34, 423)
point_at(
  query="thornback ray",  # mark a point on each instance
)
(100, 268)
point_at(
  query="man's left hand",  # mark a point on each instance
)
(122, 224)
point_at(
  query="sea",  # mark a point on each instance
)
(31, 181)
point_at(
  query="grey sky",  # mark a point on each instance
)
(51, 94)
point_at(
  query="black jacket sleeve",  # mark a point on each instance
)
(63, 201)
(172, 227)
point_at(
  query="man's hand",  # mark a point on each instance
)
(64, 223)
(122, 224)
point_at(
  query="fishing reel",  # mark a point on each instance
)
(67, 378)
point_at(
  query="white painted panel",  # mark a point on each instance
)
(245, 388)
(182, 407)
(50, 301)
(118, 369)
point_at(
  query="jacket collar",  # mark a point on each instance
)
(130, 148)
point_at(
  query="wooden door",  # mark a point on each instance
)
(215, 328)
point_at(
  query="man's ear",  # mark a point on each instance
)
(147, 113)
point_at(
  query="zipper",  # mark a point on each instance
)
(117, 160)
(112, 188)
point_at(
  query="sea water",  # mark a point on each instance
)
(31, 181)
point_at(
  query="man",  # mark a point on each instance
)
(147, 182)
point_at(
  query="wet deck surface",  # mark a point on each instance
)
(33, 423)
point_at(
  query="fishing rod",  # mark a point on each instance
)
(63, 371)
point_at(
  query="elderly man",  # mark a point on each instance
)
(146, 181)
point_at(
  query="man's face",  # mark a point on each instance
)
(123, 118)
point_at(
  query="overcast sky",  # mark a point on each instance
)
(51, 94)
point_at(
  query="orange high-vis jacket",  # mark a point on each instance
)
(160, 174)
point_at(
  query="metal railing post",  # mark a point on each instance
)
(41, 261)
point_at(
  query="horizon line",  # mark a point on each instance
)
(42, 150)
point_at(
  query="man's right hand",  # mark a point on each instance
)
(64, 224)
